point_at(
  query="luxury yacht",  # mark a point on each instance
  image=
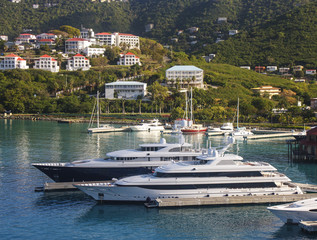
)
(121, 163)
(304, 210)
(215, 174)
(153, 125)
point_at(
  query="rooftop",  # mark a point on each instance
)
(125, 83)
(184, 68)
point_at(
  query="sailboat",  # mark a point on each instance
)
(96, 112)
(240, 131)
(193, 128)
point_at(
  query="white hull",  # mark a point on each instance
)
(147, 128)
(305, 210)
(137, 194)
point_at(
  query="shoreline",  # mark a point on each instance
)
(62, 118)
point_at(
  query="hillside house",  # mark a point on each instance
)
(185, 76)
(48, 42)
(233, 32)
(13, 61)
(46, 36)
(271, 68)
(47, 63)
(125, 90)
(297, 68)
(284, 70)
(310, 71)
(246, 67)
(267, 90)
(78, 62)
(128, 59)
(76, 45)
(4, 37)
(222, 20)
(105, 38)
(259, 69)
(90, 52)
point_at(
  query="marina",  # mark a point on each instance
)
(26, 142)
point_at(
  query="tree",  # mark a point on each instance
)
(158, 94)
(73, 32)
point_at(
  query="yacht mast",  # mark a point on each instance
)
(191, 105)
(186, 115)
(238, 115)
(97, 109)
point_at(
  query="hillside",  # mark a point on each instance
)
(279, 32)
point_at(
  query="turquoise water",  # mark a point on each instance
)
(25, 214)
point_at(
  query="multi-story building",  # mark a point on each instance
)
(78, 62)
(89, 52)
(128, 59)
(128, 40)
(269, 90)
(105, 38)
(185, 76)
(87, 33)
(48, 42)
(46, 36)
(25, 38)
(125, 90)
(76, 45)
(47, 63)
(13, 61)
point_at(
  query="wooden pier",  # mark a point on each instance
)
(230, 200)
(272, 135)
(308, 226)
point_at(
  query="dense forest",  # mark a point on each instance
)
(275, 32)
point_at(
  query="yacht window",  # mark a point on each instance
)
(177, 149)
(313, 210)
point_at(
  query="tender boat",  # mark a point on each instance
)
(153, 125)
(214, 174)
(304, 210)
(228, 126)
(121, 163)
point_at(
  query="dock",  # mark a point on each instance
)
(216, 133)
(62, 186)
(230, 200)
(272, 135)
(308, 226)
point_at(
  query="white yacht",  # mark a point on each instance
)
(213, 175)
(153, 125)
(228, 126)
(240, 132)
(121, 163)
(304, 210)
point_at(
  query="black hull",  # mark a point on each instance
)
(79, 174)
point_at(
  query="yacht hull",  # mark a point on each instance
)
(111, 193)
(294, 216)
(79, 174)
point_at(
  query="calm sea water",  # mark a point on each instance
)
(25, 214)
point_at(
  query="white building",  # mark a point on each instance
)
(125, 90)
(78, 62)
(105, 38)
(129, 40)
(284, 70)
(46, 36)
(47, 63)
(310, 71)
(13, 61)
(76, 45)
(89, 52)
(128, 59)
(87, 33)
(233, 32)
(48, 42)
(4, 37)
(25, 38)
(246, 67)
(185, 76)
(271, 68)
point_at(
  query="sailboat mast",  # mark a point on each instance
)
(186, 108)
(191, 104)
(238, 114)
(97, 109)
